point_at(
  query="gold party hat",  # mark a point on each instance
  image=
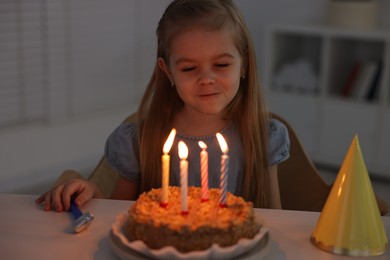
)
(350, 222)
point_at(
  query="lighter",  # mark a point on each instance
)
(81, 220)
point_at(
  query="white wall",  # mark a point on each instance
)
(102, 52)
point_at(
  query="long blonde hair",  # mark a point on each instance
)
(247, 110)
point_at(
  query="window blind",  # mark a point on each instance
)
(64, 58)
(23, 62)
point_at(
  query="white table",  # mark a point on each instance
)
(28, 232)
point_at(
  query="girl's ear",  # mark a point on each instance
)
(243, 68)
(164, 67)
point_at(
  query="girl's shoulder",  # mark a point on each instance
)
(126, 128)
(122, 152)
(123, 136)
(279, 142)
(277, 128)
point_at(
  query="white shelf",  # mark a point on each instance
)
(306, 69)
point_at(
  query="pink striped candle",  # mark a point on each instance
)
(224, 169)
(183, 153)
(204, 169)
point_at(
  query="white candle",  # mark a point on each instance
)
(224, 169)
(183, 153)
(204, 168)
(165, 168)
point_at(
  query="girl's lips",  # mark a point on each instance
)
(208, 94)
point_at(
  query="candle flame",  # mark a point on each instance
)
(183, 150)
(168, 144)
(202, 145)
(222, 143)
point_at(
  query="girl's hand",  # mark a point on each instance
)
(59, 197)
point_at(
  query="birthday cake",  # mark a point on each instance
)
(205, 224)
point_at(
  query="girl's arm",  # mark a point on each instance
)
(275, 194)
(125, 189)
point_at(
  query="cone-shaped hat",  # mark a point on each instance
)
(350, 222)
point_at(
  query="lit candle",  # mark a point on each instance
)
(183, 153)
(224, 169)
(204, 161)
(165, 168)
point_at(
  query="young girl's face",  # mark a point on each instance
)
(205, 67)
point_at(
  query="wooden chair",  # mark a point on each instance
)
(301, 186)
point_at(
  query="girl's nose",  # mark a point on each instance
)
(206, 78)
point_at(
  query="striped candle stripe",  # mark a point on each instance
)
(224, 179)
(204, 168)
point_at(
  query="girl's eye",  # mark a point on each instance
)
(187, 69)
(222, 65)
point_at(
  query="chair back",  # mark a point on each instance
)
(300, 184)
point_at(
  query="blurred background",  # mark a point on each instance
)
(71, 71)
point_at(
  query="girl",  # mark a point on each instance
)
(205, 81)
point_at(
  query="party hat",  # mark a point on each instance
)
(350, 222)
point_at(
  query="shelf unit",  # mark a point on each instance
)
(306, 70)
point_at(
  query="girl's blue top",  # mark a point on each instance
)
(122, 153)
